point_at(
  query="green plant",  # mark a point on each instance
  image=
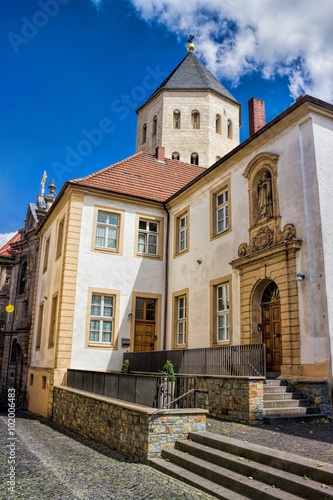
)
(169, 370)
(125, 366)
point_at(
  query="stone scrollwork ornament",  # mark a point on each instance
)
(263, 238)
(242, 250)
(288, 233)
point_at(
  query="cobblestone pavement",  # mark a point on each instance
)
(54, 464)
(308, 439)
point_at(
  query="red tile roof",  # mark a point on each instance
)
(7, 250)
(141, 175)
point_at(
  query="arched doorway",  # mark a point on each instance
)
(271, 326)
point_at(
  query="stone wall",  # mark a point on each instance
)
(237, 399)
(319, 393)
(135, 431)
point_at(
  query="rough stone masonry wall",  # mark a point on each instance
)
(237, 399)
(318, 393)
(130, 429)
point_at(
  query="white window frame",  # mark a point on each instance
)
(181, 320)
(222, 211)
(101, 318)
(182, 222)
(109, 227)
(145, 236)
(222, 297)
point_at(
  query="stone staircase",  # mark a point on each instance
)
(283, 404)
(230, 469)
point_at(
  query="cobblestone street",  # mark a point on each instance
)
(52, 463)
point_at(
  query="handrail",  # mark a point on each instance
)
(205, 391)
(234, 348)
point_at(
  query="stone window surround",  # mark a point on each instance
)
(224, 186)
(175, 308)
(185, 212)
(224, 280)
(113, 345)
(160, 235)
(116, 211)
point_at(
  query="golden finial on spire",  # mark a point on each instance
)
(190, 46)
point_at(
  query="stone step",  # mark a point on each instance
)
(282, 395)
(287, 419)
(277, 382)
(278, 389)
(283, 480)
(286, 403)
(298, 410)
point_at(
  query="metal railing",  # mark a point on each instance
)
(239, 360)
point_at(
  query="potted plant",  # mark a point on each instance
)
(168, 384)
(125, 366)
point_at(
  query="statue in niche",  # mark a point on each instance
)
(264, 193)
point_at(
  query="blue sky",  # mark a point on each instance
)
(71, 67)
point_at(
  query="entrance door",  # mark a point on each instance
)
(272, 327)
(145, 324)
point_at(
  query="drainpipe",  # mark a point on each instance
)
(166, 287)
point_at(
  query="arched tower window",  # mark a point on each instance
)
(154, 125)
(230, 132)
(195, 119)
(176, 119)
(144, 133)
(23, 277)
(175, 155)
(195, 159)
(218, 124)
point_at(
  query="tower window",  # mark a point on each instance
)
(195, 119)
(176, 119)
(175, 155)
(154, 125)
(195, 159)
(144, 133)
(218, 124)
(230, 133)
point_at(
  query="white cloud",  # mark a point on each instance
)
(236, 37)
(5, 237)
(97, 3)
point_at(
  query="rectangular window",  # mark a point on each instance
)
(39, 326)
(148, 237)
(46, 254)
(221, 211)
(101, 327)
(60, 238)
(107, 230)
(53, 320)
(223, 312)
(7, 281)
(181, 320)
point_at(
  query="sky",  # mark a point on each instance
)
(73, 72)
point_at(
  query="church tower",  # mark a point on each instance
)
(191, 114)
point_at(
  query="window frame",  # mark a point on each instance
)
(46, 257)
(60, 236)
(176, 111)
(194, 158)
(177, 321)
(160, 234)
(53, 321)
(214, 209)
(225, 281)
(39, 326)
(195, 124)
(178, 229)
(218, 123)
(103, 292)
(120, 228)
(144, 133)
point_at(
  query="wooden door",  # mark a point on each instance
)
(145, 324)
(271, 323)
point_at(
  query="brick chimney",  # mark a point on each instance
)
(160, 153)
(257, 118)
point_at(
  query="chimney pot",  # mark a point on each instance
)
(257, 118)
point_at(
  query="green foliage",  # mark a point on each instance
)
(169, 370)
(125, 366)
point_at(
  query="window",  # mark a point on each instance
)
(182, 228)
(14, 352)
(175, 155)
(107, 230)
(144, 133)
(46, 254)
(223, 312)
(7, 281)
(218, 124)
(154, 126)
(39, 326)
(60, 237)
(23, 278)
(2, 326)
(195, 159)
(229, 126)
(176, 119)
(43, 382)
(195, 119)
(53, 320)
(180, 315)
(148, 237)
(101, 326)
(221, 211)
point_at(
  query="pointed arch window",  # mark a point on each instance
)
(175, 155)
(144, 133)
(230, 131)
(195, 159)
(154, 126)
(195, 119)
(176, 119)
(218, 124)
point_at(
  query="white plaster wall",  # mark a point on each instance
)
(125, 273)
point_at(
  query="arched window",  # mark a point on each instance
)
(195, 119)
(154, 125)
(23, 277)
(195, 159)
(230, 129)
(144, 133)
(175, 155)
(176, 119)
(218, 124)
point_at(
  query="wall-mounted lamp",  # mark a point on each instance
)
(300, 277)
(130, 316)
(199, 261)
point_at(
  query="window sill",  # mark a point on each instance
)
(100, 345)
